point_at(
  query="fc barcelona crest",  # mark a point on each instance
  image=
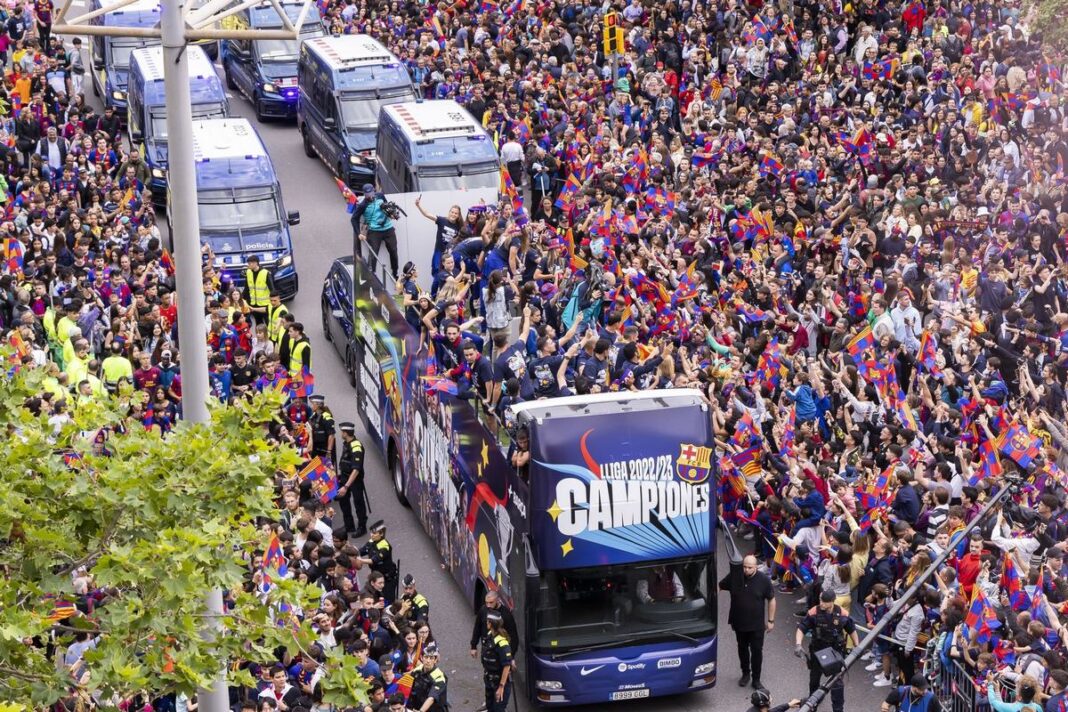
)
(694, 463)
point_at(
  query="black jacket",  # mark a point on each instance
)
(479, 631)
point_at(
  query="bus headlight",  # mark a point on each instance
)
(118, 95)
(704, 669)
(553, 685)
(158, 173)
(270, 88)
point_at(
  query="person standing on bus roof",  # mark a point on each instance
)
(449, 229)
(749, 589)
(371, 224)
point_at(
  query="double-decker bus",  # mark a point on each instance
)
(603, 545)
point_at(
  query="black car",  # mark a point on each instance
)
(337, 306)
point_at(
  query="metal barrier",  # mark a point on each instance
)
(959, 691)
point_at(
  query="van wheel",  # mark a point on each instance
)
(308, 150)
(260, 116)
(230, 83)
(398, 480)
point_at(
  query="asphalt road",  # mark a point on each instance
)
(323, 235)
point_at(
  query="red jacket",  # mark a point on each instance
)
(968, 570)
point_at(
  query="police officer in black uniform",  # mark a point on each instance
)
(430, 687)
(829, 626)
(378, 554)
(321, 424)
(496, 663)
(352, 492)
(416, 607)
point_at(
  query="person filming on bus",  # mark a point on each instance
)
(371, 224)
(660, 585)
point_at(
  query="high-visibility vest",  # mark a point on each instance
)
(259, 295)
(274, 328)
(296, 357)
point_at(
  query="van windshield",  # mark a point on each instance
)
(360, 110)
(120, 53)
(277, 50)
(158, 120)
(237, 209)
(450, 178)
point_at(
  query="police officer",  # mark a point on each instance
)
(761, 701)
(430, 687)
(496, 663)
(378, 554)
(352, 492)
(829, 626)
(416, 607)
(259, 283)
(321, 424)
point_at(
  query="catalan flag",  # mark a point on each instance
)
(713, 90)
(61, 610)
(13, 256)
(748, 461)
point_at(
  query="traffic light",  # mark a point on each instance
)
(612, 35)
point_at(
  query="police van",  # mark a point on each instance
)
(436, 151)
(110, 56)
(239, 202)
(343, 83)
(147, 105)
(265, 71)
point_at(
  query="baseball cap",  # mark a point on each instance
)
(368, 188)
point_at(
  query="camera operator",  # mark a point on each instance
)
(372, 223)
(761, 701)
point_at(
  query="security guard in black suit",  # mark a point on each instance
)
(416, 607)
(352, 492)
(321, 424)
(430, 688)
(496, 663)
(829, 626)
(378, 554)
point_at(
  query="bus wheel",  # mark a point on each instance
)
(398, 480)
(308, 150)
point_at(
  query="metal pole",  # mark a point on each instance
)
(816, 697)
(185, 236)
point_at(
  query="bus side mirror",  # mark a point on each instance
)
(329, 123)
(293, 218)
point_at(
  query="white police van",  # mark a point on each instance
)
(343, 82)
(147, 105)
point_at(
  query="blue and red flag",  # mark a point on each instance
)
(928, 354)
(745, 432)
(989, 463)
(863, 342)
(1020, 445)
(1013, 586)
(304, 386)
(981, 619)
(350, 197)
(273, 558)
(440, 384)
(322, 478)
(748, 461)
(770, 165)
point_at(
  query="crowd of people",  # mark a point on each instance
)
(845, 222)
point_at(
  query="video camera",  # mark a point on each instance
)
(392, 210)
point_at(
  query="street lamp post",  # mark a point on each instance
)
(179, 24)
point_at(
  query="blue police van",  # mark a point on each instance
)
(343, 82)
(110, 56)
(265, 71)
(147, 105)
(239, 202)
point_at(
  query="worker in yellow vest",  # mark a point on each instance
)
(116, 367)
(275, 311)
(300, 351)
(259, 284)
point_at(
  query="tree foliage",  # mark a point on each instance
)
(1051, 14)
(157, 523)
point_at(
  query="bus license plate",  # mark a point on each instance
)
(629, 694)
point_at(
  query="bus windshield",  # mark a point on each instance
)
(233, 210)
(584, 607)
(200, 111)
(458, 178)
